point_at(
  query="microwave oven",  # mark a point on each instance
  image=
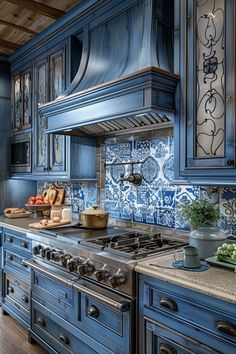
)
(20, 153)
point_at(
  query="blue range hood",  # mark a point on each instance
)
(124, 82)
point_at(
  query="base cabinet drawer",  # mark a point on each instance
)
(61, 336)
(17, 291)
(14, 239)
(162, 340)
(14, 261)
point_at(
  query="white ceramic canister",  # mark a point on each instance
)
(67, 212)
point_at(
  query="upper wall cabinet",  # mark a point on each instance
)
(205, 117)
(49, 84)
(21, 100)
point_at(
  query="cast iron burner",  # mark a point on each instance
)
(134, 245)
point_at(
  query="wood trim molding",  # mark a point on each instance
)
(38, 7)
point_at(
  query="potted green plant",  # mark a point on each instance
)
(202, 217)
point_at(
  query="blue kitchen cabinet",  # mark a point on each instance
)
(205, 111)
(58, 156)
(175, 320)
(16, 276)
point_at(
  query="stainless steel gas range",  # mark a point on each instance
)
(98, 266)
(106, 257)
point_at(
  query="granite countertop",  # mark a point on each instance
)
(217, 282)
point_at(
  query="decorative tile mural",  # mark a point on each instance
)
(156, 200)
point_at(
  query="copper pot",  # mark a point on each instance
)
(94, 218)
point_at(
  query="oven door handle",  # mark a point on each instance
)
(121, 306)
(47, 272)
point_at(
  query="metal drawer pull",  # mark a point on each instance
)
(25, 299)
(167, 349)
(227, 328)
(10, 289)
(40, 321)
(92, 311)
(24, 264)
(10, 257)
(168, 303)
(63, 338)
(121, 306)
(9, 239)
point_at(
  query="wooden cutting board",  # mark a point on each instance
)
(50, 225)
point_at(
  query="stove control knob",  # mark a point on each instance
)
(64, 258)
(48, 253)
(43, 251)
(73, 263)
(86, 268)
(102, 274)
(117, 279)
(55, 256)
(37, 249)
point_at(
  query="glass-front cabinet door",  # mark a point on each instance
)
(49, 84)
(205, 60)
(41, 97)
(57, 86)
(21, 101)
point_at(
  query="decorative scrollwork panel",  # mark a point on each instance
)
(210, 118)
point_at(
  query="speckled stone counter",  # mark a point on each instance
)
(216, 281)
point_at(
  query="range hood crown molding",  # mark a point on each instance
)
(121, 83)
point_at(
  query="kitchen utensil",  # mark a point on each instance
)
(207, 240)
(94, 218)
(190, 257)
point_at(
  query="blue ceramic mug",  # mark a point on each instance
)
(190, 257)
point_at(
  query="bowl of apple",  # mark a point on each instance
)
(37, 204)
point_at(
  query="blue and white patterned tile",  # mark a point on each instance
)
(155, 196)
(150, 169)
(113, 208)
(168, 169)
(141, 149)
(126, 211)
(228, 202)
(168, 197)
(120, 151)
(180, 223)
(159, 147)
(90, 195)
(210, 194)
(76, 207)
(77, 192)
(165, 217)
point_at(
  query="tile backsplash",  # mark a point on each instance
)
(155, 201)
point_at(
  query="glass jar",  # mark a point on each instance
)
(56, 211)
(66, 212)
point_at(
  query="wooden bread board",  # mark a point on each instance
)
(50, 225)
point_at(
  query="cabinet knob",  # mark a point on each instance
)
(167, 349)
(10, 257)
(63, 338)
(92, 311)
(40, 321)
(229, 98)
(227, 328)
(24, 244)
(10, 289)
(9, 239)
(25, 299)
(168, 303)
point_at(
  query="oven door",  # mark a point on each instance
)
(103, 314)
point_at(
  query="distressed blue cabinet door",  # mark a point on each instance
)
(41, 97)
(205, 118)
(57, 86)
